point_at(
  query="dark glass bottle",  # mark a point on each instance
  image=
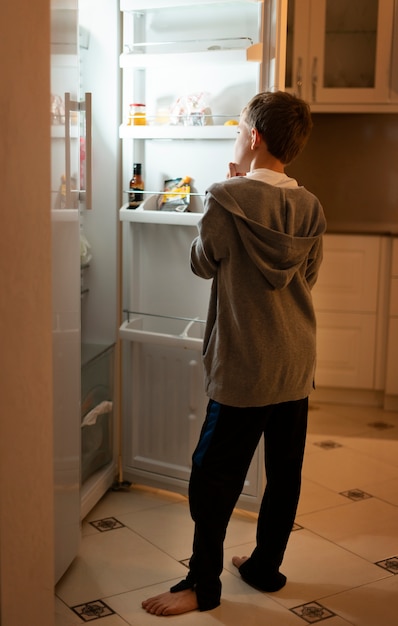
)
(136, 185)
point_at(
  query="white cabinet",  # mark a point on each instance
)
(338, 53)
(349, 299)
(392, 346)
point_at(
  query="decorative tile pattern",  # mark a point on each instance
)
(328, 445)
(356, 494)
(391, 564)
(312, 612)
(92, 610)
(108, 523)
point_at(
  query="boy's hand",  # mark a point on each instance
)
(232, 170)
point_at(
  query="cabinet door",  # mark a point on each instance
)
(339, 52)
(350, 50)
(297, 76)
(346, 350)
(392, 358)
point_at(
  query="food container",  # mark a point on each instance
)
(137, 115)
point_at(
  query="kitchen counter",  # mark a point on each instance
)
(362, 228)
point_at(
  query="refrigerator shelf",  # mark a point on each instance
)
(167, 131)
(145, 216)
(186, 333)
(146, 5)
(169, 60)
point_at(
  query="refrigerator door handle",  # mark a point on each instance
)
(86, 179)
(68, 191)
(89, 146)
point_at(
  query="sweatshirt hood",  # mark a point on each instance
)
(277, 243)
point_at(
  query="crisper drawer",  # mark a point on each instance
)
(162, 330)
(97, 408)
(168, 403)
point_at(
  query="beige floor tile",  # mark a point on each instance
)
(375, 604)
(240, 605)
(387, 491)
(131, 500)
(169, 527)
(128, 606)
(113, 562)
(382, 445)
(368, 528)
(64, 616)
(315, 497)
(315, 568)
(337, 421)
(340, 469)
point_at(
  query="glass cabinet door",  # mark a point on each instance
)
(339, 51)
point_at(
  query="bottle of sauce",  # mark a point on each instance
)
(136, 186)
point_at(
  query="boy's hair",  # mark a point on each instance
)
(283, 120)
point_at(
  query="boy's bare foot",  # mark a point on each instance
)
(172, 603)
(239, 560)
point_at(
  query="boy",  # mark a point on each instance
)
(260, 241)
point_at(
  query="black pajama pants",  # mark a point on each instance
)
(226, 446)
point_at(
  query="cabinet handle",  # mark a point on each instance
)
(314, 78)
(299, 80)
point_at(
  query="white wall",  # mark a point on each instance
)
(26, 471)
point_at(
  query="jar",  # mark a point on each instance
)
(137, 115)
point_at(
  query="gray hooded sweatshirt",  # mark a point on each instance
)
(262, 247)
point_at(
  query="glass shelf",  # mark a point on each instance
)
(252, 53)
(147, 5)
(167, 131)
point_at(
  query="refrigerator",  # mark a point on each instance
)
(187, 69)
(85, 195)
(128, 312)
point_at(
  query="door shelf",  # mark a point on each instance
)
(178, 332)
(144, 216)
(167, 131)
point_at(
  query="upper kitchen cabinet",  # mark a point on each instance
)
(339, 54)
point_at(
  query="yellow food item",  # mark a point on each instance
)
(231, 123)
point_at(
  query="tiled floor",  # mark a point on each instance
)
(341, 562)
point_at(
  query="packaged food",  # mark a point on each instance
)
(191, 110)
(176, 196)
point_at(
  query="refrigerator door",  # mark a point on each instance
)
(66, 283)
